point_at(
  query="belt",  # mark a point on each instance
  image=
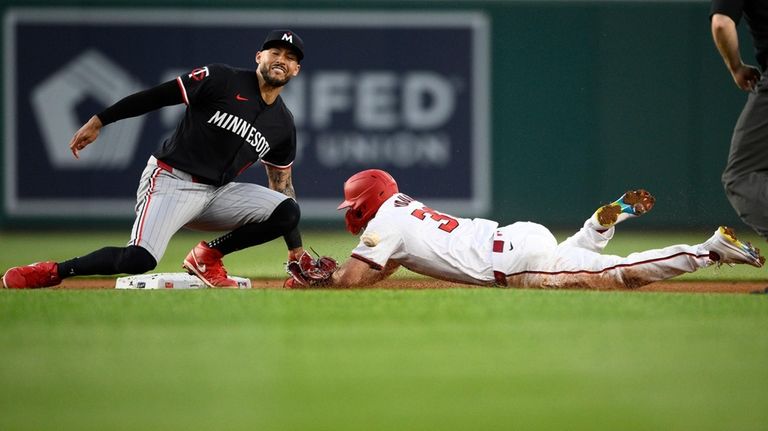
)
(500, 277)
(183, 175)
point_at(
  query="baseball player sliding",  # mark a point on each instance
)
(399, 230)
(234, 117)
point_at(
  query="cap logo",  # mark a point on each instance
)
(199, 73)
(288, 37)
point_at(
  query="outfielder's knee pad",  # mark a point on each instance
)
(135, 260)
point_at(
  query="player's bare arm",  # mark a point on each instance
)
(83, 137)
(727, 41)
(355, 273)
(280, 180)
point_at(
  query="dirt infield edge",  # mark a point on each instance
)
(666, 286)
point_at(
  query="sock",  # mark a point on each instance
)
(109, 261)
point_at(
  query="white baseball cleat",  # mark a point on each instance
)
(724, 247)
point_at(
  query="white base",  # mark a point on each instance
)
(170, 280)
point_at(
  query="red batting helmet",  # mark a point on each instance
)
(364, 193)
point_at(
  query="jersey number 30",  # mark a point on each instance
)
(450, 222)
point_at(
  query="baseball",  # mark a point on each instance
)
(371, 239)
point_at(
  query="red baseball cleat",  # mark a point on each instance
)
(205, 263)
(36, 275)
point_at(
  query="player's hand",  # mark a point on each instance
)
(295, 253)
(309, 272)
(87, 134)
(746, 77)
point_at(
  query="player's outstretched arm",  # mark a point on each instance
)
(87, 134)
(356, 273)
(166, 94)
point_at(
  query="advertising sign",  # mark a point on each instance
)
(407, 92)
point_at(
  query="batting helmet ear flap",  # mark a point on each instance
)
(364, 193)
(353, 220)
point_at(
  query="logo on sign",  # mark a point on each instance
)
(415, 111)
(387, 117)
(90, 75)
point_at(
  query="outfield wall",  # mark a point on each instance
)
(511, 110)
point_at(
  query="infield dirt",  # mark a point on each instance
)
(666, 286)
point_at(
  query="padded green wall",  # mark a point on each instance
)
(591, 99)
(588, 99)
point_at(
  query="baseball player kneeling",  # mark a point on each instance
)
(234, 118)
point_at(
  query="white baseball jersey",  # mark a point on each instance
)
(524, 254)
(428, 242)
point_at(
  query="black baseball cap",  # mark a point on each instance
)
(285, 37)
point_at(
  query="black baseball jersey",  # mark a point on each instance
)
(227, 126)
(756, 14)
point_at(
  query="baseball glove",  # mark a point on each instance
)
(308, 272)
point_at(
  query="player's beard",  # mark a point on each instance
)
(271, 80)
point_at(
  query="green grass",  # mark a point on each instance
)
(453, 359)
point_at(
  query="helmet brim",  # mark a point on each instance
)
(345, 204)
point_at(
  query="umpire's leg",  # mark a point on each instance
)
(749, 197)
(745, 178)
